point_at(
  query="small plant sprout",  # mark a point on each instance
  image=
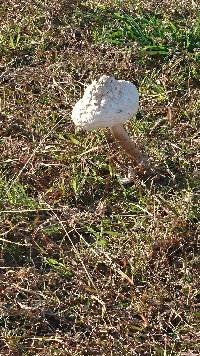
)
(108, 102)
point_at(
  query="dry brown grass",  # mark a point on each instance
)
(89, 266)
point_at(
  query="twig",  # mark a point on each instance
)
(14, 243)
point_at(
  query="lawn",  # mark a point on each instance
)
(90, 265)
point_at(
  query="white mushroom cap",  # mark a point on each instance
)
(106, 103)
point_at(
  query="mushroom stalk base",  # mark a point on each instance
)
(130, 147)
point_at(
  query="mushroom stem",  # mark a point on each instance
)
(130, 147)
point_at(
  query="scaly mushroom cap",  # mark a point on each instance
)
(106, 103)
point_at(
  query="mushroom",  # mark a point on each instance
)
(108, 102)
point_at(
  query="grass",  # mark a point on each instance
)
(90, 266)
(156, 34)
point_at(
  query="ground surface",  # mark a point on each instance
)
(89, 266)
